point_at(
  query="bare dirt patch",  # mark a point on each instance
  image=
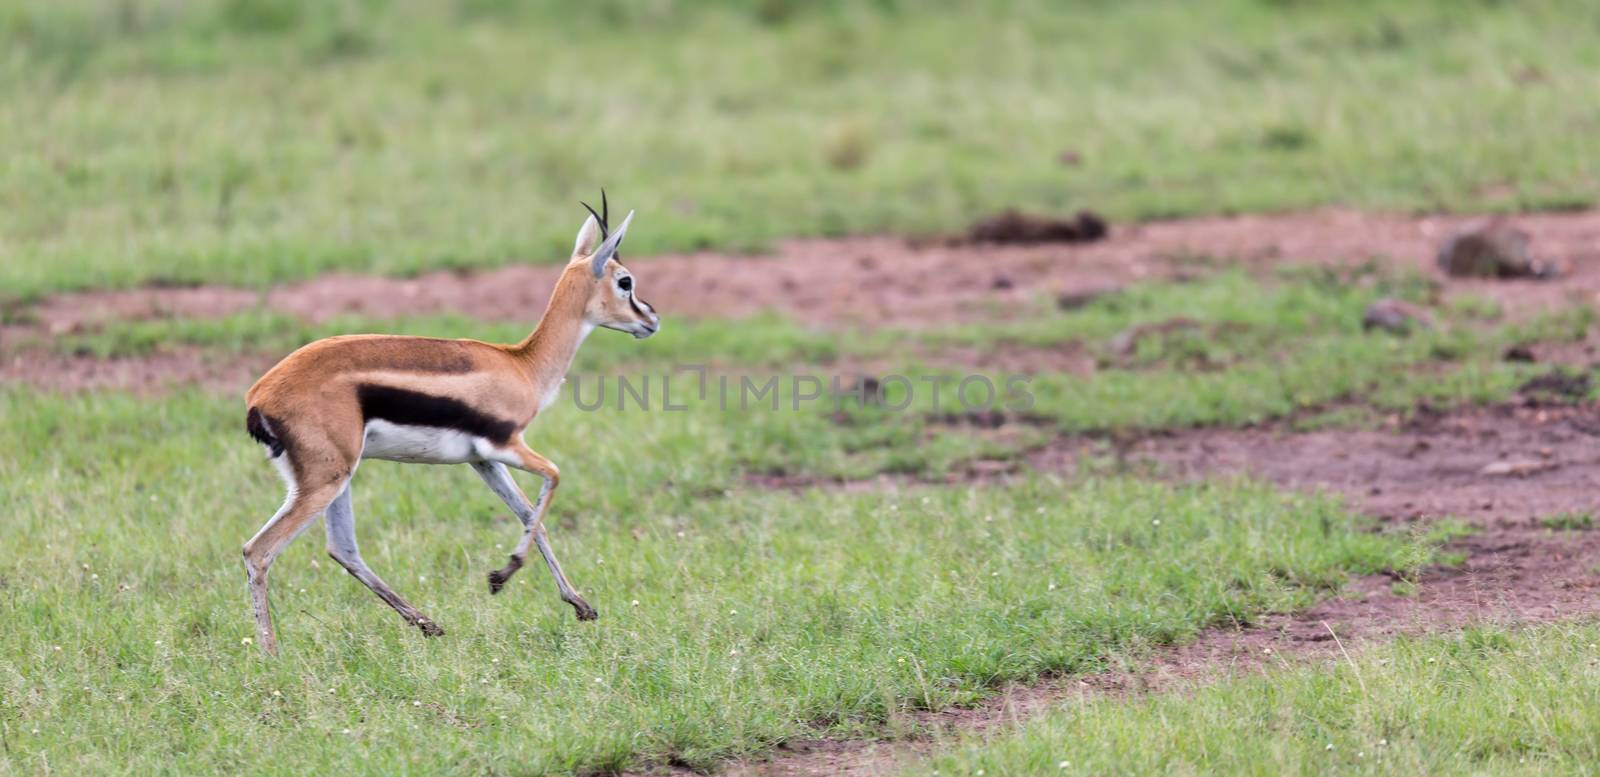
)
(869, 281)
(1500, 470)
(156, 373)
(865, 282)
(884, 281)
(1434, 465)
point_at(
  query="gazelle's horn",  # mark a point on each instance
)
(609, 248)
(604, 233)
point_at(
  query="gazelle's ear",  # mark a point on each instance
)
(588, 237)
(609, 248)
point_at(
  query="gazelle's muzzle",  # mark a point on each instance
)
(648, 322)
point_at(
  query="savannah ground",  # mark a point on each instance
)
(1231, 531)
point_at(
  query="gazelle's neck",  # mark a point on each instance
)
(549, 349)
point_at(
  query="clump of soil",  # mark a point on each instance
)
(1074, 299)
(989, 419)
(1014, 226)
(1558, 382)
(1522, 353)
(1492, 250)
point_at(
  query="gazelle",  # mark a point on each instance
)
(337, 401)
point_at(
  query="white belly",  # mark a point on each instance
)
(422, 444)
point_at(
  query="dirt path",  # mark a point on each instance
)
(850, 282)
(158, 373)
(887, 281)
(1502, 470)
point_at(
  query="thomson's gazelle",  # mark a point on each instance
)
(337, 401)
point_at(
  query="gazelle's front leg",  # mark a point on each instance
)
(532, 516)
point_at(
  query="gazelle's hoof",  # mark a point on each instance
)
(585, 612)
(497, 581)
(499, 577)
(429, 628)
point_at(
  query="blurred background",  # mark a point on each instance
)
(256, 141)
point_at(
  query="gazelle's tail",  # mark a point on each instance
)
(260, 427)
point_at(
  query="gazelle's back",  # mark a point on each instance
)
(335, 357)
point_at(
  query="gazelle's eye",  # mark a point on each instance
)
(625, 283)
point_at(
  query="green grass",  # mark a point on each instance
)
(258, 141)
(1260, 349)
(760, 616)
(253, 142)
(1568, 521)
(1486, 702)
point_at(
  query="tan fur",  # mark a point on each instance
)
(311, 401)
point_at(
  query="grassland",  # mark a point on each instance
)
(761, 616)
(251, 142)
(1488, 701)
(257, 141)
(1251, 349)
(729, 622)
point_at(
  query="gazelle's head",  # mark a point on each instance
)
(614, 301)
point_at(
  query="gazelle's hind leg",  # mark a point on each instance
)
(298, 511)
(532, 516)
(341, 522)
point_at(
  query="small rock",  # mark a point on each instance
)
(1395, 315)
(1492, 250)
(1520, 468)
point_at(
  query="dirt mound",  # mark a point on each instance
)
(1014, 226)
(1492, 250)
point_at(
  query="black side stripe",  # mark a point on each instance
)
(413, 408)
